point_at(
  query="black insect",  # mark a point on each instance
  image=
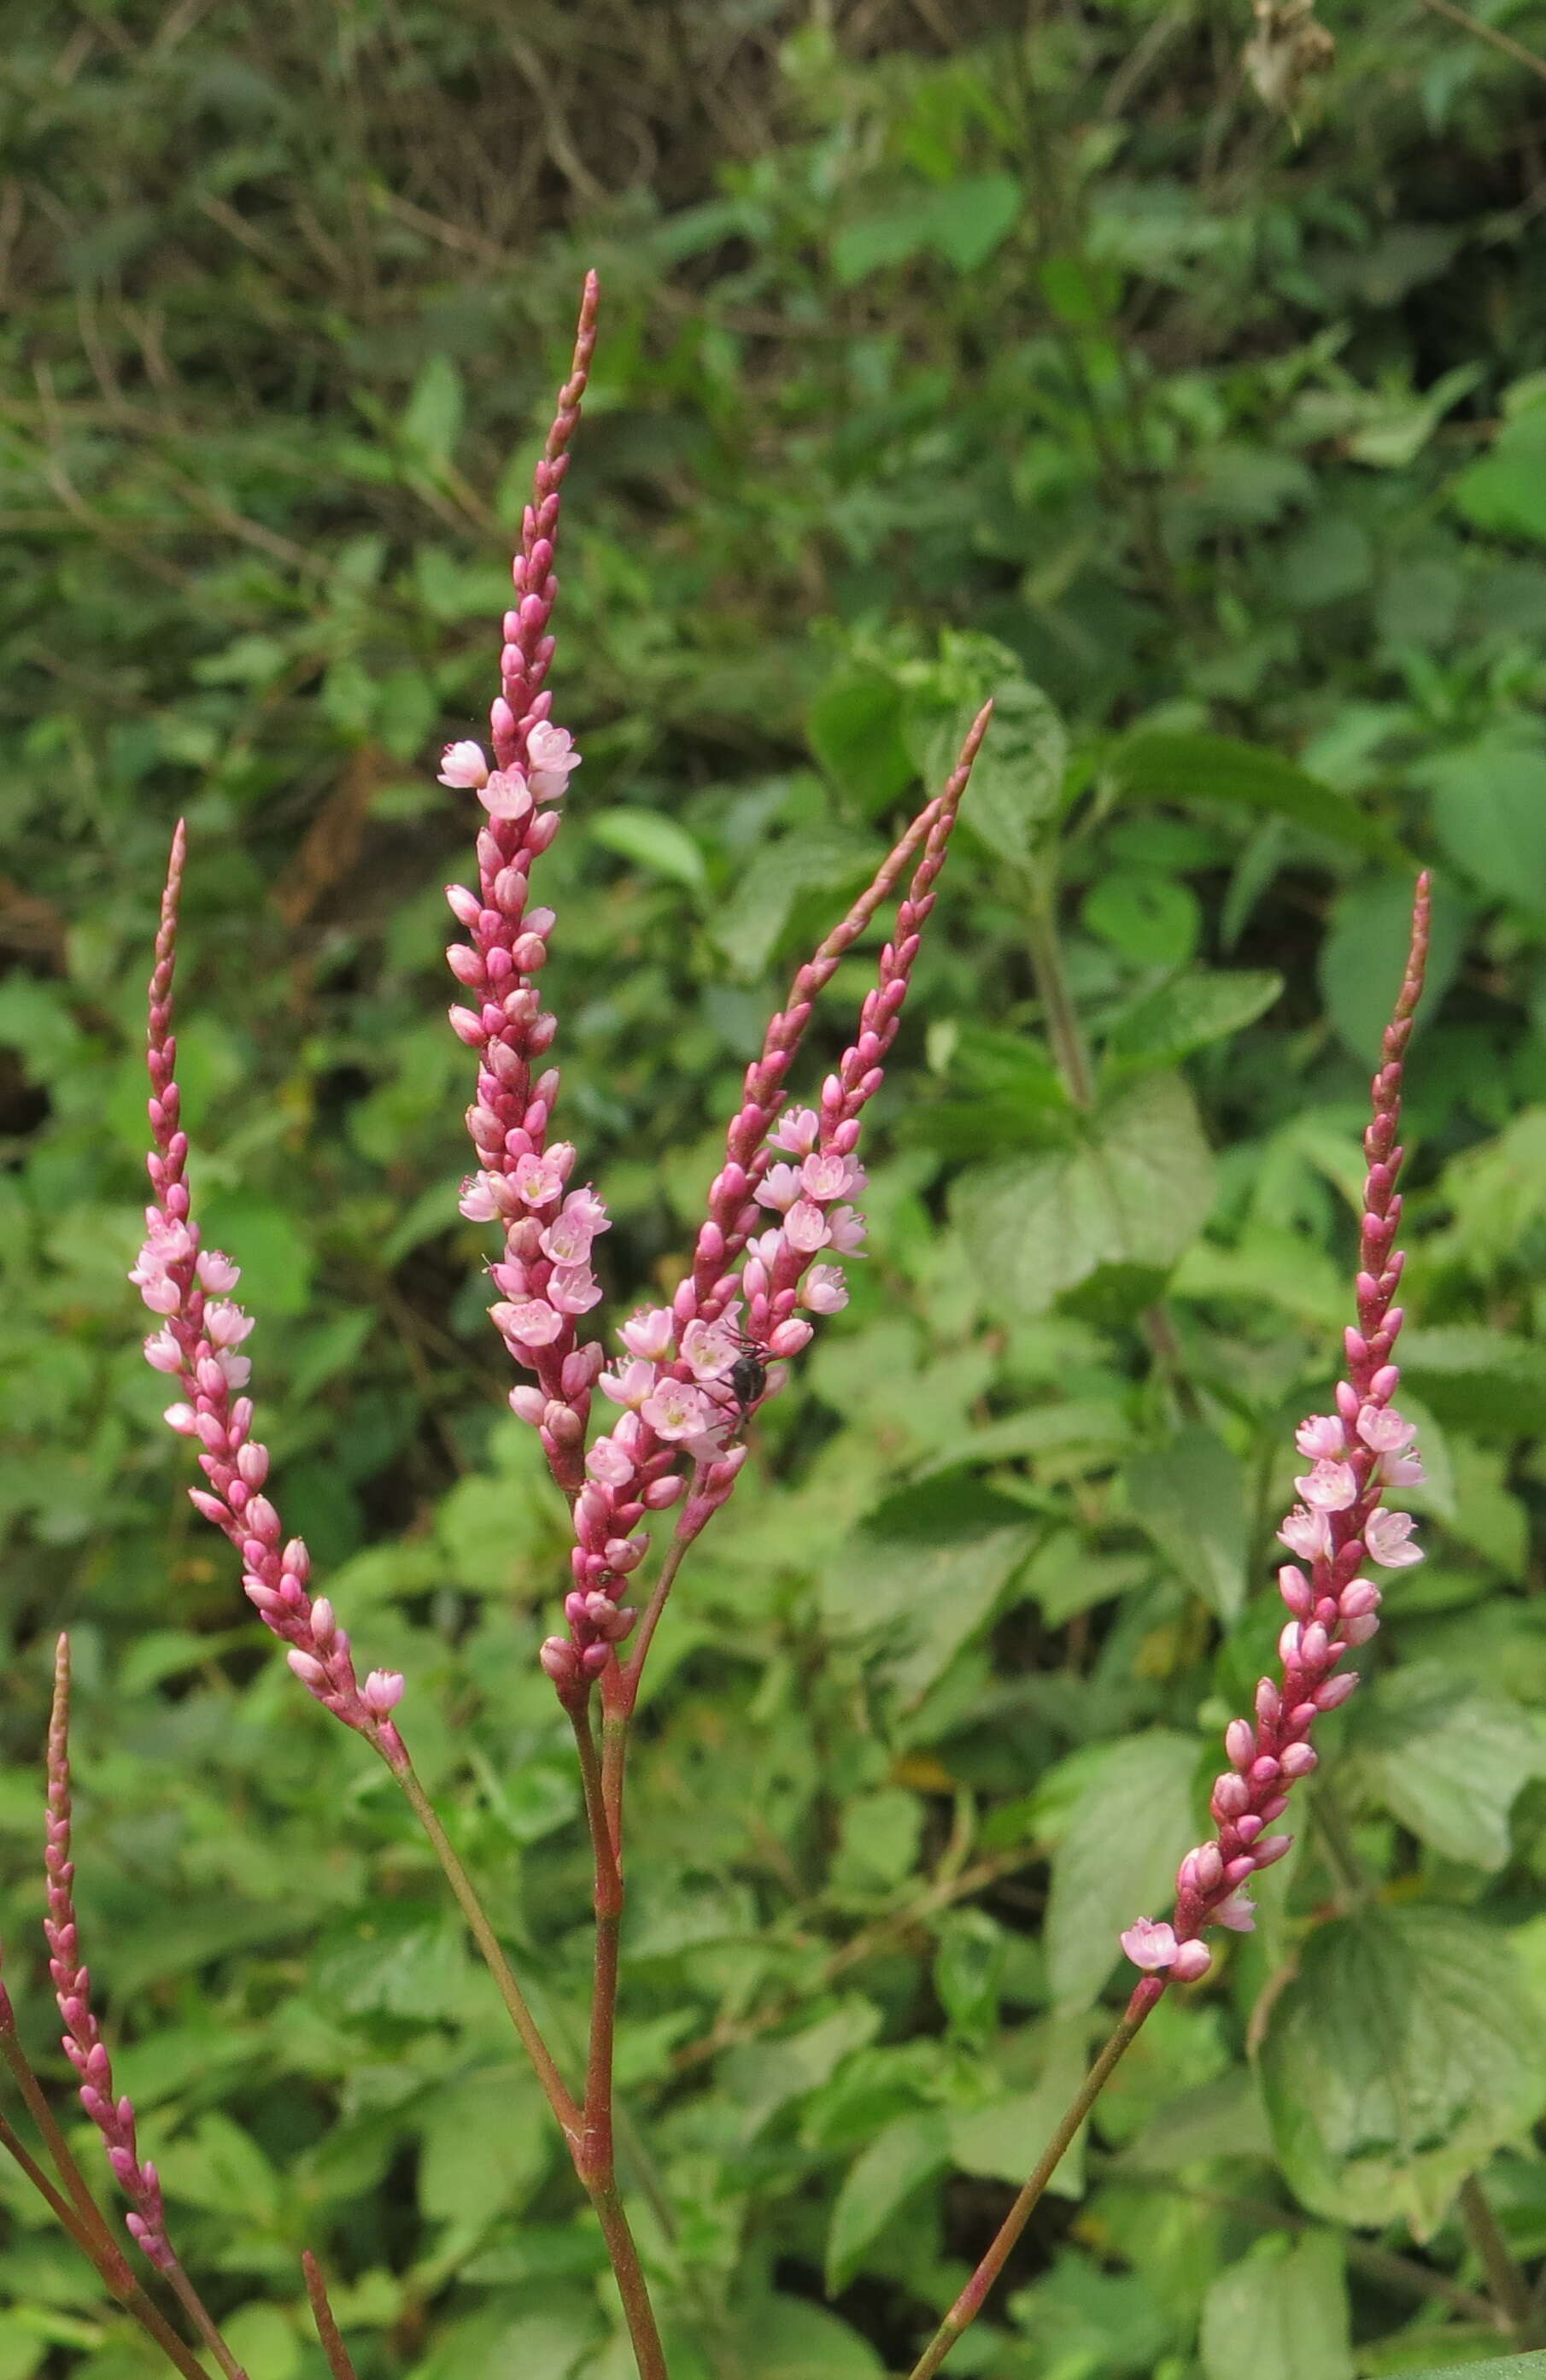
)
(747, 1379)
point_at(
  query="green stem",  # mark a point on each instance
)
(559, 2097)
(203, 2321)
(1063, 1029)
(649, 2353)
(969, 2305)
(1506, 2285)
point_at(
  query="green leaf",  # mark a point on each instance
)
(788, 2338)
(1154, 765)
(1153, 918)
(1135, 1193)
(1494, 2367)
(747, 925)
(1365, 951)
(1017, 780)
(907, 2152)
(263, 2339)
(486, 2146)
(1401, 2054)
(964, 222)
(855, 729)
(652, 841)
(1116, 1859)
(1448, 1764)
(928, 1586)
(266, 1241)
(1505, 490)
(1189, 1498)
(1002, 2140)
(1490, 815)
(1480, 1379)
(1280, 2313)
(1196, 1008)
(431, 420)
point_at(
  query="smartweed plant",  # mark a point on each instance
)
(677, 1390)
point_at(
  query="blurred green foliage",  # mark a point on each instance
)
(943, 350)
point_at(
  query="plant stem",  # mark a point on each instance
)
(93, 2221)
(321, 2314)
(116, 2275)
(559, 2097)
(597, 2147)
(1063, 1029)
(1506, 2283)
(969, 2303)
(649, 2353)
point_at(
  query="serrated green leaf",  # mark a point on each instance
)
(1401, 2054)
(1135, 1193)
(1280, 2313)
(1449, 1764)
(855, 730)
(1187, 1014)
(1188, 1496)
(1117, 1858)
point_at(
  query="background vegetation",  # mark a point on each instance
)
(944, 347)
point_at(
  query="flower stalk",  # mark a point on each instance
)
(1342, 1523)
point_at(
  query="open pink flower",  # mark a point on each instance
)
(463, 765)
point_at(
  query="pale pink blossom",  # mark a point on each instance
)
(1329, 1487)
(611, 1463)
(225, 1325)
(539, 1180)
(1386, 1537)
(506, 794)
(806, 1228)
(476, 1201)
(162, 1353)
(779, 1188)
(550, 761)
(568, 1237)
(216, 1272)
(708, 1349)
(629, 1385)
(1305, 1534)
(1320, 1439)
(532, 1323)
(846, 1231)
(825, 1176)
(383, 1690)
(824, 1290)
(1385, 1430)
(464, 766)
(650, 1332)
(678, 1410)
(1150, 1945)
(160, 1294)
(1402, 1470)
(796, 1129)
(574, 1288)
(236, 1369)
(1239, 1913)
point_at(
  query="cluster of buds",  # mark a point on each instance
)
(198, 1345)
(1343, 1524)
(83, 2042)
(690, 1373)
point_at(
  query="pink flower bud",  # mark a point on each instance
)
(1336, 1690)
(1192, 1962)
(1272, 1847)
(1299, 1759)
(1239, 1743)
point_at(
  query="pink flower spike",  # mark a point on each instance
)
(464, 766)
(1387, 1539)
(1150, 1945)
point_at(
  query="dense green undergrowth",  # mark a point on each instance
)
(942, 352)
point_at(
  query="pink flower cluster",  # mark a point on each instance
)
(1341, 1527)
(83, 2042)
(197, 1345)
